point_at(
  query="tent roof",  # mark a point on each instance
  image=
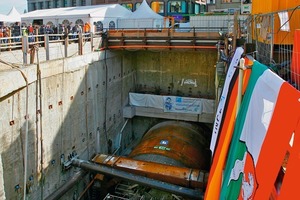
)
(3, 18)
(13, 15)
(107, 10)
(145, 12)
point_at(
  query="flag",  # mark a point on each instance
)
(268, 119)
(223, 126)
(230, 81)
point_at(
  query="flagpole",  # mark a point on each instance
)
(240, 85)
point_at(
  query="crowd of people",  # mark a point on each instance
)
(16, 30)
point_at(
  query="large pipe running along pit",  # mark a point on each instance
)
(186, 192)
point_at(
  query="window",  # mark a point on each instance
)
(99, 26)
(74, 3)
(55, 4)
(158, 7)
(177, 6)
(41, 5)
(226, 1)
(66, 22)
(137, 5)
(197, 8)
(65, 3)
(47, 4)
(79, 22)
(83, 2)
(33, 6)
(246, 1)
(127, 5)
(112, 25)
(50, 24)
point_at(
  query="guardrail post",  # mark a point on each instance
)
(80, 52)
(66, 44)
(46, 40)
(25, 49)
(32, 54)
(92, 41)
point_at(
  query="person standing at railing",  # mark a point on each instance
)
(16, 31)
(5, 31)
(61, 30)
(30, 31)
(24, 31)
(87, 27)
(1, 35)
(42, 29)
(69, 27)
(74, 32)
(49, 30)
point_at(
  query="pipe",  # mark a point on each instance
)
(182, 191)
(120, 137)
(66, 187)
(26, 138)
(183, 176)
(166, 47)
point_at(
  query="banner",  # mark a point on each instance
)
(174, 104)
(182, 105)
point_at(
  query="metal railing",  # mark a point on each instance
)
(47, 41)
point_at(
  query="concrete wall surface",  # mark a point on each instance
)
(66, 114)
(189, 73)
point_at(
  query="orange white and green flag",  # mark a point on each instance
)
(266, 131)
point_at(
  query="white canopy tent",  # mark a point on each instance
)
(3, 18)
(143, 17)
(106, 14)
(14, 15)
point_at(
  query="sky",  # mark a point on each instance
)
(6, 5)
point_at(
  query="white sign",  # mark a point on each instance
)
(182, 105)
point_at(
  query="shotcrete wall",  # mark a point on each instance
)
(76, 107)
(181, 73)
(70, 119)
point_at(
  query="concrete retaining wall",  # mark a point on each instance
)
(71, 118)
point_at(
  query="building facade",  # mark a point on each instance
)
(46, 4)
(177, 8)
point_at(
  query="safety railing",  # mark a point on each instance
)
(28, 42)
